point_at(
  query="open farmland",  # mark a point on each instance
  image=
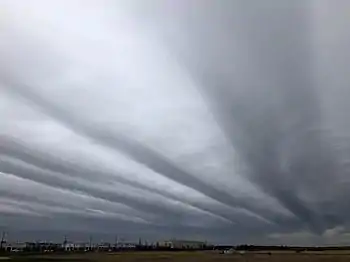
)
(186, 257)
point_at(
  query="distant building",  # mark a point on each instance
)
(104, 246)
(127, 245)
(14, 246)
(182, 244)
(42, 246)
(69, 246)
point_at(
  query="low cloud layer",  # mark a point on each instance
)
(209, 120)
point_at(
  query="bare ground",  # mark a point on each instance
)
(189, 257)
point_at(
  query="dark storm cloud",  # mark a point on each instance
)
(265, 71)
(256, 72)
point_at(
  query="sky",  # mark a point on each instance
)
(223, 121)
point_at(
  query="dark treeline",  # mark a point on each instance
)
(293, 248)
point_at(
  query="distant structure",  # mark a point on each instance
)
(88, 246)
(2, 240)
(182, 244)
(14, 247)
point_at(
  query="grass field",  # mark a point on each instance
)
(186, 257)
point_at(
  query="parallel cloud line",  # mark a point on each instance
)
(133, 148)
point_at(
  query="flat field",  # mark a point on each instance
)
(209, 256)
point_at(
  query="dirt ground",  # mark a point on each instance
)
(188, 257)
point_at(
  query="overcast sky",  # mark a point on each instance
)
(218, 120)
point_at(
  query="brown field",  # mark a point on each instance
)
(209, 256)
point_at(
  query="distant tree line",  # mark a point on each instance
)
(292, 248)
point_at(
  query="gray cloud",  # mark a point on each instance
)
(217, 120)
(136, 150)
(44, 161)
(253, 121)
